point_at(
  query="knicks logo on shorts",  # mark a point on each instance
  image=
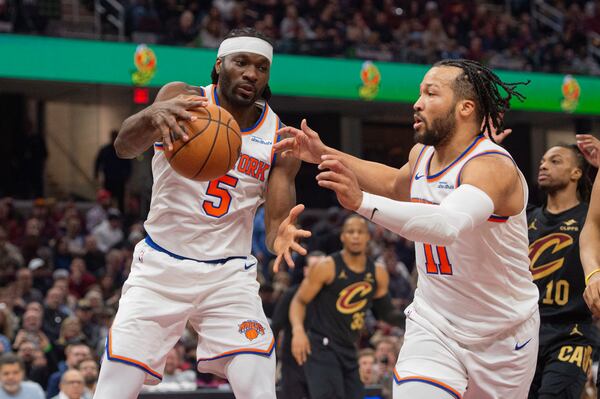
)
(352, 298)
(251, 329)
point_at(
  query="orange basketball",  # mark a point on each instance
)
(213, 146)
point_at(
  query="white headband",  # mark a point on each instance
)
(246, 44)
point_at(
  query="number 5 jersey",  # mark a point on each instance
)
(214, 219)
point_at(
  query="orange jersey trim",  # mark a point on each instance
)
(112, 356)
(433, 178)
(252, 351)
(257, 124)
(429, 381)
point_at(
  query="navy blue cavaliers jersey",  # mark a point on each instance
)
(555, 263)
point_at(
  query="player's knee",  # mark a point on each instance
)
(252, 376)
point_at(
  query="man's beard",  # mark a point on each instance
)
(552, 187)
(441, 130)
(227, 90)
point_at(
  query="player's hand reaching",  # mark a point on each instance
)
(590, 147)
(287, 238)
(497, 137)
(304, 143)
(339, 178)
(165, 115)
(300, 346)
(592, 295)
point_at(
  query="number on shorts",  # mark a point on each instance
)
(444, 267)
(215, 189)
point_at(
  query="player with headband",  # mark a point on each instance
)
(195, 265)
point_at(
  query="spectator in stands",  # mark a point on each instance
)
(25, 291)
(185, 31)
(211, 33)
(74, 236)
(62, 257)
(75, 354)
(110, 232)
(32, 331)
(70, 334)
(94, 257)
(71, 385)
(89, 370)
(366, 367)
(34, 154)
(98, 213)
(9, 253)
(53, 315)
(6, 328)
(79, 278)
(12, 386)
(112, 171)
(89, 327)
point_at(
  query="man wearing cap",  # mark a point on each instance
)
(195, 264)
(97, 213)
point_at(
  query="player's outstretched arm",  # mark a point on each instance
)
(490, 184)
(373, 177)
(159, 121)
(589, 248)
(321, 274)
(280, 213)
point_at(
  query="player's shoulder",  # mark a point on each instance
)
(324, 271)
(174, 89)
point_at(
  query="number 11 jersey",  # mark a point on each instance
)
(480, 285)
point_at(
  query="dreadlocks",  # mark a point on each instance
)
(244, 32)
(478, 83)
(585, 182)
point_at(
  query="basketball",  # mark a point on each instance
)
(213, 146)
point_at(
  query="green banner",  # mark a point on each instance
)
(56, 59)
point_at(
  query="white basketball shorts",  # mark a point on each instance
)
(162, 293)
(501, 369)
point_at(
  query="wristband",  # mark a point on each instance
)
(587, 278)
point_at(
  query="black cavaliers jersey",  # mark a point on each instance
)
(340, 307)
(555, 263)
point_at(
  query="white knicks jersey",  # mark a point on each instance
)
(480, 285)
(214, 219)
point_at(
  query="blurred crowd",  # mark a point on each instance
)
(500, 33)
(62, 267)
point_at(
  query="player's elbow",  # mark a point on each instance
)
(121, 149)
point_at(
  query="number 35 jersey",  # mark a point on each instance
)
(480, 285)
(214, 219)
(555, 263)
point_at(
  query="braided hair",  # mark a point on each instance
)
(478, 83)
(244, 32)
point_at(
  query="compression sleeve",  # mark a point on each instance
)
(462, 210)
